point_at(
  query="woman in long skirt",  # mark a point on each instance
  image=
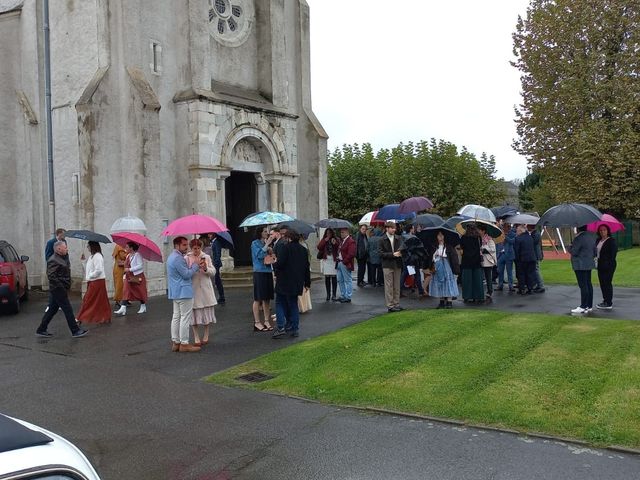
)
(204, 299)
(471, 266)
(119, 257)
(135, 283)
(95, 304)
(445, 267)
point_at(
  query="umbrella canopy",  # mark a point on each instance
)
(194, 224)
(225, 237)
(492, 230)
(415, 204)
(570, 215)
(369, 219)
(504, 211)
(428, 220)
(451, 222)
(612, 222)
(333, 223)
(265, 218)
(149, 250)
(87, 235)
(392, 212)
(477, 212)
(300, 227)
(128, 224)
(522, 219)
(429, 236)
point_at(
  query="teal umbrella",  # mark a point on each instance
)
(265, 218)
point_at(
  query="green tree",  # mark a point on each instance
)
(360, 181)
(579, 120)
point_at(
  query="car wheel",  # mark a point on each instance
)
(25, 295)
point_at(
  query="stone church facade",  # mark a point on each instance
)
(161, 108)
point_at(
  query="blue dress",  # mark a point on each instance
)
(443, 282)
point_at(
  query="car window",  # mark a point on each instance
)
(12, 251)
(3, 255)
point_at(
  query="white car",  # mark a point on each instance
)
(30, 452)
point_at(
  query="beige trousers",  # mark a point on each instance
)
(392, 286)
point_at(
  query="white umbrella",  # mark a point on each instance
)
(128, 224)
(477, 212)
(366, 219)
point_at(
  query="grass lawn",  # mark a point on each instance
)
(565, 376)
(627, 273)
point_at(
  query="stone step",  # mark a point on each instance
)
(243, 278)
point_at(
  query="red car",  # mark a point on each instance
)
(14, 286)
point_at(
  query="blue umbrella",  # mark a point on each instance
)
(392, 212)
(225, 238)
(300, 227)
(265, 218)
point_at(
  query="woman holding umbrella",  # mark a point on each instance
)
(95, 304)
(606, 252)
(471, 265)
(328, 255)
(135, 283)
(445, 267)
(204, 299)
(262, 278)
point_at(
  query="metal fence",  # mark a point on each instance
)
(624, 238)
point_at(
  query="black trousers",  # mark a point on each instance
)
(526, 273)
(59, 299)
(362, 267)
(217, 281)
(586, 288)
(605, 276)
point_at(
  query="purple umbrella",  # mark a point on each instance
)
(415, 204)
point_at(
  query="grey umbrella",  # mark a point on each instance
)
(87, 235)
(333, 223)
(428, 220)
(522, 219)
(299, 226)
(570, 215)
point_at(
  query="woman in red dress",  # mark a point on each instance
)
(135, 283)
(95, 304)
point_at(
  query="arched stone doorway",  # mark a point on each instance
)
(241, 198)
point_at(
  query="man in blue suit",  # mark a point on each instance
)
(181, 292)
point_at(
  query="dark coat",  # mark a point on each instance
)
(583, 251)
(58, 272)
(348, 251)
(292, 269)
(524, 248)
(216, 253)
(362, 246)
(386, 252)
(537, 244)
(329, 248)
(471, 256)
(608, 253)
(414, 252)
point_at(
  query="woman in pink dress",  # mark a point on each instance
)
(204, 298)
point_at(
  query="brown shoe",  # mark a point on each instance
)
(189, 348)
(175, 347)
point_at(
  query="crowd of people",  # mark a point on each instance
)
(434, 262)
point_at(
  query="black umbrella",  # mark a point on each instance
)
(333, 223)
(455, 220)
(87, 235)
(428, 220)
(300, 227)
(429, 236)
(522, 219)
(570, 215)
(505, 211)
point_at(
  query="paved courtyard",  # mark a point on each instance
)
(141, 412)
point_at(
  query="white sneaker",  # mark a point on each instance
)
(579, 311)
(143, 308)
(588, 310)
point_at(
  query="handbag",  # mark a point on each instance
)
(304, 301)
(134, 278)
(320, 255)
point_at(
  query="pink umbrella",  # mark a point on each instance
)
(147, 248)
(612, 222)
(194, 224)
(415, 204)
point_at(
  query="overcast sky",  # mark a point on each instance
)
(386, 72)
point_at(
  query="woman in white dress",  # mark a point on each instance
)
(204, 298)
(328, 255)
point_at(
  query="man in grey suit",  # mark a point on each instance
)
(583, 252)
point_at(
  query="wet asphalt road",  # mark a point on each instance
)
(141, 412)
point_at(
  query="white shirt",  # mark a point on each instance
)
(391, 239)
(95, 268)
(137, 267)
(440, 252)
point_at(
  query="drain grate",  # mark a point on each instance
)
(254, 377)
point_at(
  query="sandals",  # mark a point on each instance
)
(259, 328)
(268, 327)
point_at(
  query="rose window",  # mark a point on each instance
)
(230, 20)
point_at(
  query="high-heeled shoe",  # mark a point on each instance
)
(268, 327)
(261, 329)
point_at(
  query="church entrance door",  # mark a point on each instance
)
(241, 200)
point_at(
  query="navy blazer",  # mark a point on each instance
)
(583, 251)
(524, 248)
(292, 269)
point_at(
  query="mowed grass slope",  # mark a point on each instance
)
(566, 376)
(627, 273)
